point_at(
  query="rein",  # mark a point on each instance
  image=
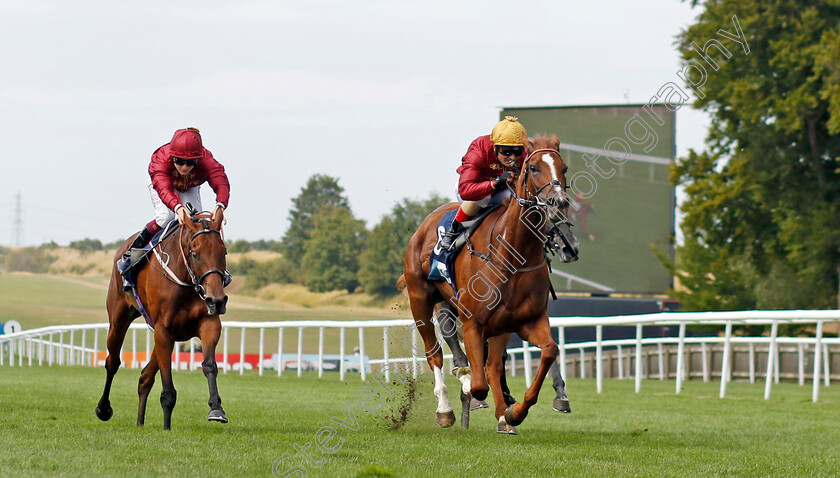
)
(196, 281)
(533, 200)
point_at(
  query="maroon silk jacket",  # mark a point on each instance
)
(479, 167)
(166, 179)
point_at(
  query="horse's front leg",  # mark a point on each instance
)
(495, 368)
(163, 352)
(538, 333)
(209, 332)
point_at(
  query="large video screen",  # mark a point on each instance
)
(618, 158)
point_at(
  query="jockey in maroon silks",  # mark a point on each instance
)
(491, 162)
(178, 169)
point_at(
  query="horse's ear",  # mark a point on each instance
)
(529, 145)
(218, 217)
(554, 141)
(190, 225)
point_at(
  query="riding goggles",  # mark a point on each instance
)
(185, 161)
(510, 150)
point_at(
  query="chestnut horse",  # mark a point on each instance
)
(503, 282)
(182, 290)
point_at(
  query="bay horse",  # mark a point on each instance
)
(182, 291)
(503, 282)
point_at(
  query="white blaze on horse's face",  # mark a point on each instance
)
(557, 191)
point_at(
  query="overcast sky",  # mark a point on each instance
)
(385, 95)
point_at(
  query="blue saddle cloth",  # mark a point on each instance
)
(442, 261)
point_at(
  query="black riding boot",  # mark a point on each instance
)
(448, 239)
(139, 242)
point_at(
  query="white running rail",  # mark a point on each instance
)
(81, 345)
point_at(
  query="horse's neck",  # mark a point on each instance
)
(514, 238)
(172, 247)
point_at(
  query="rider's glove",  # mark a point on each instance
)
(500, 182)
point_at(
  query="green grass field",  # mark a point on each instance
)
(49, 429)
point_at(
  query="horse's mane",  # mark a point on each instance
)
(543, 142)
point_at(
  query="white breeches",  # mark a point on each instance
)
(473, 207)
(163, 214)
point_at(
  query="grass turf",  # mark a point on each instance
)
(49, 429)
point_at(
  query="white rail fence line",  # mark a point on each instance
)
(48, 344)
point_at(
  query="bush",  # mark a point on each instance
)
(29, 259)
(279, 270)
(239, 246)
(242, 267)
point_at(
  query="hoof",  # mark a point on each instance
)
(509, 419)
(476, 404)
(217, 416)
(104, 414)
(446, 419)
(504, 428)
(561, 406)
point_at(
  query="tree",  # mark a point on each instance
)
(320, 191)
(762, 217)
(331, 254)
(382, 262)
(87, 245)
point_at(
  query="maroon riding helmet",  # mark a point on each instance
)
(186, 143)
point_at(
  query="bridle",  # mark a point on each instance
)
(533, 199)
(531, 189)
(196, 281)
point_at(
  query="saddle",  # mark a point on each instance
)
(442, 261)
(136, 256)
(470, 226)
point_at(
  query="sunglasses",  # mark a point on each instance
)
(510, 150)
(185, 162)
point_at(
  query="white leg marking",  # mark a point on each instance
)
(466, 378)
(441, 392)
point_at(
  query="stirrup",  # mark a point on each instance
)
(448, 240)
(123, 263)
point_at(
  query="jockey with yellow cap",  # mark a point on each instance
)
(177, 170)
(491, 162)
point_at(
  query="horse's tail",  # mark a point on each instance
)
(401, 284)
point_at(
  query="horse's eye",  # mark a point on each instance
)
(193, 255)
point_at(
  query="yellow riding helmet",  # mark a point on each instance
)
(508, 132)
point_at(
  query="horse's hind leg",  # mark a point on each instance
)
(422, 309)
(209, 332)
(448, 323)
(120, 319)
(561, 401)
(147, 380)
